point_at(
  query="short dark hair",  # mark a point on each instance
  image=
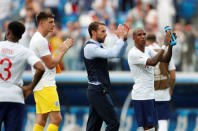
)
(151, 37)
(44, 15)
(136, 30)
(94, 26)
(17, 28)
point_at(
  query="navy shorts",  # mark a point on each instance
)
(12, 115)
(163, 110)
(145, 112)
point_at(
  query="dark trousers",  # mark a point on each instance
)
(12, 115)
(101, 108)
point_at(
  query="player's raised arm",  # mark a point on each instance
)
(162, 56)
(154, 60)
(51, 62)
(167, 56)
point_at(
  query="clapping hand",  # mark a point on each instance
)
(66, 45)
(122, 32)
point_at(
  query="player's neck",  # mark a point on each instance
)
(14, 40)
(94, 38)
(141, 48)
(43, 33)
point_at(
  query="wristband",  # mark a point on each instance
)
(125, 38)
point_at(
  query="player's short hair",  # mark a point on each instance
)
(136, 30)
(94, 26)
(44, 15)
(151, 37)
(17, 28)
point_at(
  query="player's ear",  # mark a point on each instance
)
(42, 22)
(93, 32)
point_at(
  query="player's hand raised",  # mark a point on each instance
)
(66, 45)
(169, 36)
(122, 31)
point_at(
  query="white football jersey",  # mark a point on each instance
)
(143, 75)
(13, 59)
(40, 46)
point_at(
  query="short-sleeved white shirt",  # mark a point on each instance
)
(13, 58)
(143, 75)
(40, 46)
(163, 95)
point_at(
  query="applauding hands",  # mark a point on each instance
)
(66, 45)
(122, 31)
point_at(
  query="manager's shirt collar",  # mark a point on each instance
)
(97, 43)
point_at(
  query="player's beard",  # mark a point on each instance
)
(100, 40)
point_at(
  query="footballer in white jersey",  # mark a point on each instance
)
(141, 61)
(13, 59)
(143, 75)
(40, 46)
(45, 93)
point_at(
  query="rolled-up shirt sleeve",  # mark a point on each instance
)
(92, 51)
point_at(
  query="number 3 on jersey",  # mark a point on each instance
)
(5, 69)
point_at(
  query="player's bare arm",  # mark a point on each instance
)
(172, 81)
(154, 60)
(167, 56)
(27, 90)
(51, 62)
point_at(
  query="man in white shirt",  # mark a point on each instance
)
(13, 58)
(45, 93)
(141, 60)
(164, 82)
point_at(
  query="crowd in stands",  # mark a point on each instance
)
(73, 17)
